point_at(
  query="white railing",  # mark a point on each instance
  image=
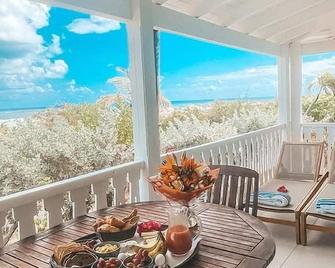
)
(24, 204)
(321, 132)
(258, 150)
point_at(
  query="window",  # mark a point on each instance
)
(209, 92)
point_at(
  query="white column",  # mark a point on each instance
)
(295, 92)
(144, 91)
(284, 86)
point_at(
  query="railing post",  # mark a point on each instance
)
(144, 91)
(284, 87)
(295, 92)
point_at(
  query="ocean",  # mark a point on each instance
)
(183, 103)
(6, 114)
(19, 113)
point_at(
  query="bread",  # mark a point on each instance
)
(115, 222)
(108, 228)
(62, 250)
(98, 223)
(131, 215)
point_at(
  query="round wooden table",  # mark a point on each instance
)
(230, 238)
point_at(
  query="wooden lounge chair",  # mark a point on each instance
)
(326, 191)
(298, 170)
(234, 188)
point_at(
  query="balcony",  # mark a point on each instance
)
(258, 150)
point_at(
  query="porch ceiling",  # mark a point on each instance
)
(277, 21)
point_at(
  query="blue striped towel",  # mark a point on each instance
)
(274, 199)
(325, 205)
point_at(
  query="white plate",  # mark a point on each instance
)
(171, 260)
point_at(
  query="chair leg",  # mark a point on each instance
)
(303, 229)
(297, 227)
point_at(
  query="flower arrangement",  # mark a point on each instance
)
(182, 182)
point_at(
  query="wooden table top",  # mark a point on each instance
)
(230, 238)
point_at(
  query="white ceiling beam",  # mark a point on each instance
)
(176, 22)
(272, 14)
(160, 2)
(238, 10)
(324, 22)
(202, 7)
(292, 21)
(317, 37)
(292, 34)
(178, 5)
(115, 9)
(319, 47)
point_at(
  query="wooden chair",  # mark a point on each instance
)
(298, 169)
(234, 188)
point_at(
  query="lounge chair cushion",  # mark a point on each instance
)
(328, 191)
(297, 190)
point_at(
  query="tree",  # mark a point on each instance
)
(325, 83)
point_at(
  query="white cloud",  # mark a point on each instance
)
(313, 68)
(74, 88)
(93, 24)
(18, 23)
(256, 72)
(251, 82)
(55, 48)
(247, 83)
(26, 61)
(56, 69)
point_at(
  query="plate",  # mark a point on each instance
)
(171, 260)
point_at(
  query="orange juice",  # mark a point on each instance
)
(179, 239)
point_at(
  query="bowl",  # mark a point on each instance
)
(106, 255)
(149, 262)
(118, 236)
(92, 260)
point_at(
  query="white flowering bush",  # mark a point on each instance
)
(190, 126)
(191, 131)
(77, 139)
(246, 119)
(50, 147)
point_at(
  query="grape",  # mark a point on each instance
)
(145, 254)
(136, 261)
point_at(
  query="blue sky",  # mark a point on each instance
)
(52, 56)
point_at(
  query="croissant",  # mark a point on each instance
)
(131, 215)
(115, 222)
(108, 228)
(98, 223)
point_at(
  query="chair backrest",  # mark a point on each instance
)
(234, 187)
(300, 161)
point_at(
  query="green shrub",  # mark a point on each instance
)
(322, 111)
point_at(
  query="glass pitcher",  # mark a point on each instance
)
(178, 236)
